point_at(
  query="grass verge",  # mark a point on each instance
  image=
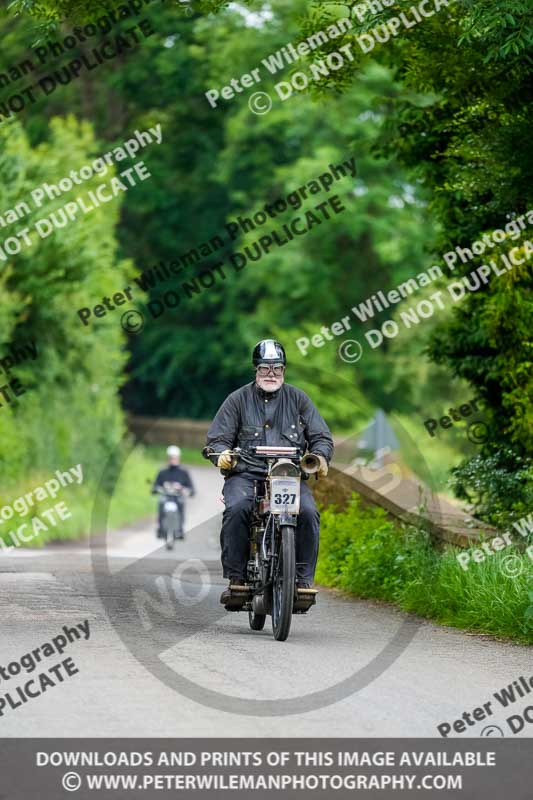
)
(131, 500)
(362, 552)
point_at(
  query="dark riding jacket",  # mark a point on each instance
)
(249, 416)
(173, 473)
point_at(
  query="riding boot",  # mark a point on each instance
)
(226, 595)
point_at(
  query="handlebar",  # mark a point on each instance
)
(236, 454)
(171, 491)
(260, 451)
(309, 463)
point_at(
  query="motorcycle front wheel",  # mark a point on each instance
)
(283, 586)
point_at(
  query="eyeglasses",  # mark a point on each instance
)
(276, 369)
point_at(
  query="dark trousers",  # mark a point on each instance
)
(181, 507)
(234, 536)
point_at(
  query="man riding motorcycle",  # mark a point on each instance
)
(266, 411)
(173, 474)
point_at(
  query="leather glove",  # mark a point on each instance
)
(225, 460)
(323, 468)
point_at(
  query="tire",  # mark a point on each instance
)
(169, 539)
(178, 526)
(283, 586)
(257, 621)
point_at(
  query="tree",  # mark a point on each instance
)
(462, 122)
(70, 405)
(244, 162)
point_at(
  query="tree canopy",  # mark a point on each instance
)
(436, 119)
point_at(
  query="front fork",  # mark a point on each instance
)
(285, 520)
(262, 596)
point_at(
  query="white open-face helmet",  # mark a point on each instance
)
(173, 451)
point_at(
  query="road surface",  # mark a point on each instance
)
(164, 659)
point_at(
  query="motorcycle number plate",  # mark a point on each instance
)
(170, 506)
(285, 495)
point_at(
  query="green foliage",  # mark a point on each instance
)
(364, 553)
(504, 33)
(499, 486)
(125, 507)
(55, 11)
(244, 163)
(70, 411)
(442, 157)
(332, 384)
(529, 612)
(462, 121)
(482, 598)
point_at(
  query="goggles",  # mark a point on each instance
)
(266, 369)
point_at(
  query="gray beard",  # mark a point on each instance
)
(270, 387)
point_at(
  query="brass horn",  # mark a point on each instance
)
(310, 464)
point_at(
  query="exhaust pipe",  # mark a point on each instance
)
(310, 464)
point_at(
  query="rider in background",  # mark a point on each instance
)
(173, 473)
(266, 411)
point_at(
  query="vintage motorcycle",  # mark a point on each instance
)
(171, 522)
(270, 587)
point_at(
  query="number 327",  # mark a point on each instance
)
(284, 499)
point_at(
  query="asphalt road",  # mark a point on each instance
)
(164, 658)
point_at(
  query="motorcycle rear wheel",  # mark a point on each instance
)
(283, 586)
